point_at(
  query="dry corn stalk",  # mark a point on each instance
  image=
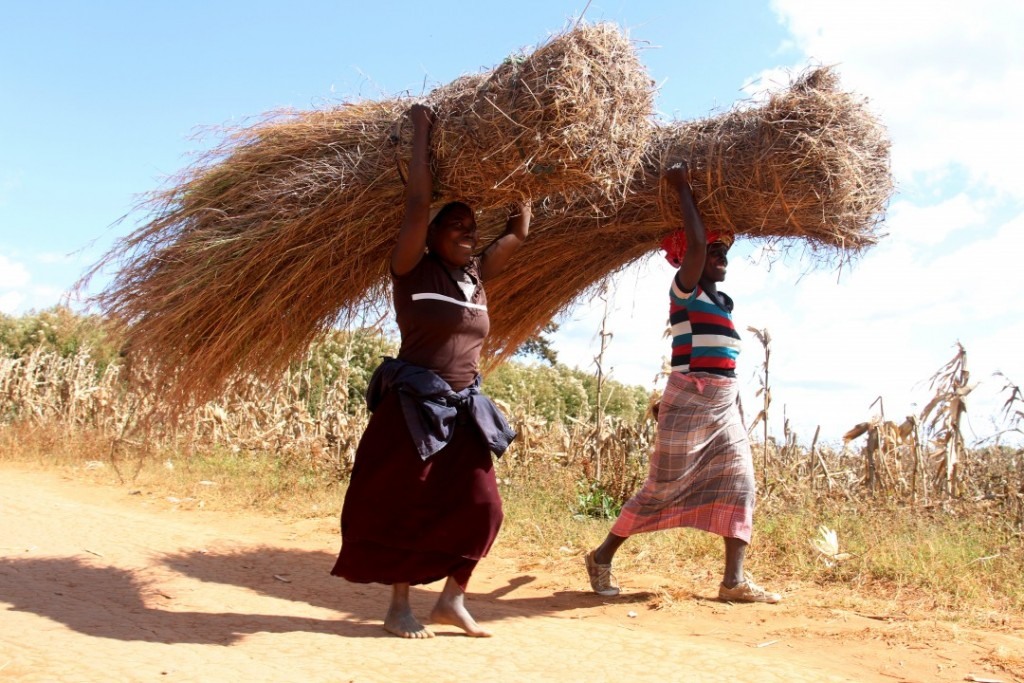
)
(890, 450)
(941, 418)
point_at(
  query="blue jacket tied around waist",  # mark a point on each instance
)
(431, 408)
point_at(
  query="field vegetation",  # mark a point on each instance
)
(903, 511)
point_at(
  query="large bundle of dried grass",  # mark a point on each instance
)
(810, 163)
(287, 225)
(574, 115)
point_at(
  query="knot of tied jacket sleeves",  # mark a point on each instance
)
(432, 408)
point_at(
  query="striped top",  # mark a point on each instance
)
(703, 336)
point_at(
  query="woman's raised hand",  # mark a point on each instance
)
(421, 115)
(678, 174)
(519, 217)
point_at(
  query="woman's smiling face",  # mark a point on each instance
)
(453, 237)
(716, 262)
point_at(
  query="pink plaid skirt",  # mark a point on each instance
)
(702, 471)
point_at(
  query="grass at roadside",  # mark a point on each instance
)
(954, 560)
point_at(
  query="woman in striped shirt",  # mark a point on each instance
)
(702, 471)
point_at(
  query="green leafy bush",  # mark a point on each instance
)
(61, 330)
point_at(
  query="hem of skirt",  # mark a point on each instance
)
(386, 582)
(743, 535)
(372, 563)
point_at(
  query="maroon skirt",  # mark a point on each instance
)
(409, 520)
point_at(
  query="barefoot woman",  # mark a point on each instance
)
(423, 504)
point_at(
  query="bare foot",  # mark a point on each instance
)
(454, 614)
(404, 625)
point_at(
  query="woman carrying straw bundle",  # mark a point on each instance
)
(702, 470)
(423, 503)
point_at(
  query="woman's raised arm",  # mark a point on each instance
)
(412, 237)
(692, 264)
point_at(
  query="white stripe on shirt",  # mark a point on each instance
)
(441, 297)
(716, 340)
(683, 327)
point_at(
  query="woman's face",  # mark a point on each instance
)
(453, 237)
(716, 262)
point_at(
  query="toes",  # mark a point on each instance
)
(413, 631)
(422, 633)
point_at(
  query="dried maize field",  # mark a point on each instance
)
(316, 424)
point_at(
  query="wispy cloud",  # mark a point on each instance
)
(12, 273)
(53, 258)
(14, 279)
(21, 288)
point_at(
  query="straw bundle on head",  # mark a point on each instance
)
(287, 226)
(811, 164)
(571, 116)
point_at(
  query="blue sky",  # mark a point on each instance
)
(103, 101)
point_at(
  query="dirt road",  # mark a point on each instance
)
(98, 584)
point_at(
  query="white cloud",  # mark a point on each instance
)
(637, 315)
(20, 291)
(14, 279)
(12, 273)
(930, 225)
(10, 302)
(946, 77)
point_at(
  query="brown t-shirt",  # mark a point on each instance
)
(442, 330)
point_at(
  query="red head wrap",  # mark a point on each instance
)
(674, 245)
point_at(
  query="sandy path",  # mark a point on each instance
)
(97, 584)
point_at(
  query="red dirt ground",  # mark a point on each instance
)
(97, 584)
